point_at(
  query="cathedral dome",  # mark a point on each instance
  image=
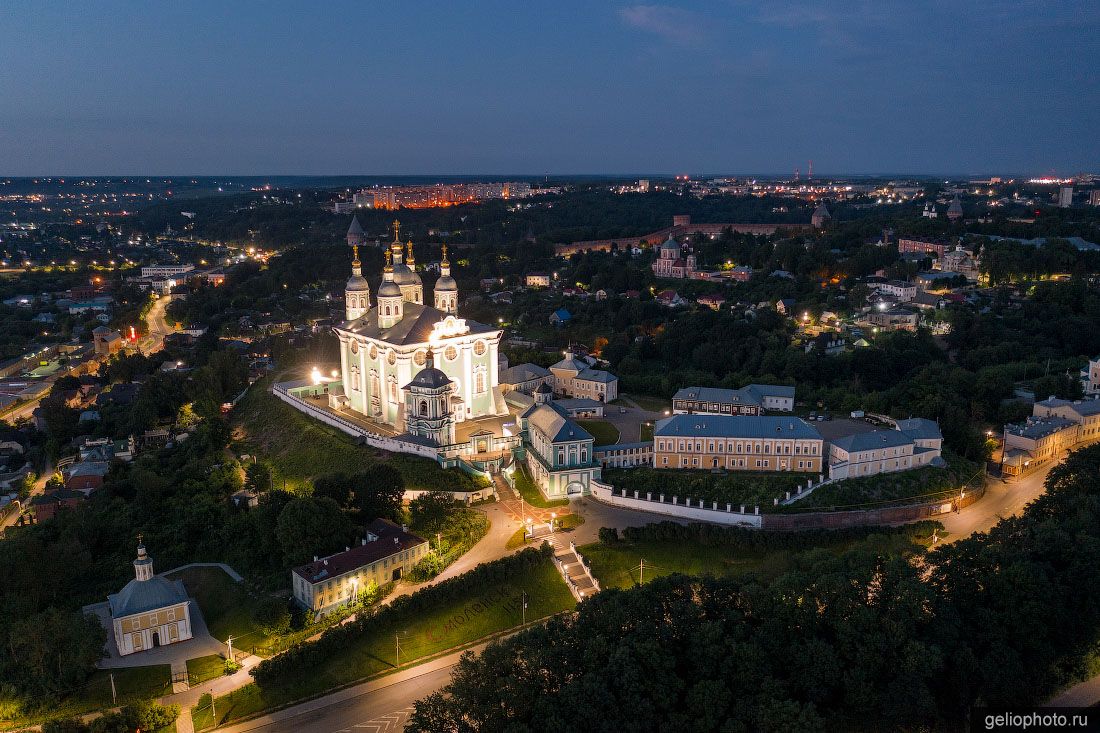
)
(357, 284)
(671, 244)
(446, 284)
(389, 289)
(402, 275)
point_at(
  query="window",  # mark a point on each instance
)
(584, 455)
(423, 408)
(479, 382)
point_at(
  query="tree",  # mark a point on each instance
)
(430, 510)
(257, 477)
(311, 526)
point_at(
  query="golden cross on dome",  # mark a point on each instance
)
(355, 254)
(444, 253)
(409, 245)
(388, 255)
(396, 230)
(139, 537)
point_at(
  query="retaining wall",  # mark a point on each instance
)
(681, 508)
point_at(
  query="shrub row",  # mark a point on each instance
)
(742, 538)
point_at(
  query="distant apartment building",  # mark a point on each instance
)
(936, 247)
(750, 400)
(163, 271)
(440, 194)
(741, 274)
(1094, 197)
(913, 444)
(737, 443)
(538, 280)
(1065, 197)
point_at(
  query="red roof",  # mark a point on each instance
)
(392, 540)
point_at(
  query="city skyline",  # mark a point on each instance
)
(884, 88)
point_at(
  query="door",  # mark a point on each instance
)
(396, 573)
(156, 639)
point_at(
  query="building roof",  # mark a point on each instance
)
(1081, 407)
(89, 468)
(671, 244)
(597, 375)
(429, 378)
(522, 373)
(873, 440)
(562, 314)
(735, 426)
(1035, 428)
(571, 363)
(446, 284)
(919, 428)
(355, 227)
(415, 326)
(390, 540)
(752, 394)
(555, 424)
(139, 596)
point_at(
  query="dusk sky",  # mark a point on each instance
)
(107, 88)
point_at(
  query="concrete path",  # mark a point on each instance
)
(228, 570)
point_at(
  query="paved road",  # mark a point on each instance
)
(1000, 500)
(159, 327)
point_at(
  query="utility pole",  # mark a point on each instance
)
(397, 638)
(641, 570)
(523, 617)
(114, 694)
(229, 644)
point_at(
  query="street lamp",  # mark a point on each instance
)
(553, 517)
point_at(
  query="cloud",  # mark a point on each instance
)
(675, 25)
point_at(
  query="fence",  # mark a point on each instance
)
(673, 507)
(864, 517)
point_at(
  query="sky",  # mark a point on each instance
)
(385, 88)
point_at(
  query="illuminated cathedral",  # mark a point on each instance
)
(416, 368)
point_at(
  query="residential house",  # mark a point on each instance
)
(538, 280)
(714, 301)
(669, 299)
(560, 317)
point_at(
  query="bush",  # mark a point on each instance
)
(755, 540)
(609, 535)
(272, 616)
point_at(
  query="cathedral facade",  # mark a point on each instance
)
(414, 367)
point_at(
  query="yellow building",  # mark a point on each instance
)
(150, 611)
(385, 554)
(737, 443)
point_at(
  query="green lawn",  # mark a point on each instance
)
(131, 684)
(905, 486)
(226, 606)
(646, 402)
(425, 634)
(300, 448)
(531, 494)
(734, 487)
(616, 566)
(646, 431)
(604, 432)
(201, 669)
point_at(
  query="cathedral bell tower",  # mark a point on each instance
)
(357, 292)
(446, 289)
(389, 298)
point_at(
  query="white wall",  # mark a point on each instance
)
(604, 492)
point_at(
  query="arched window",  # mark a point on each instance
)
(387, 310)
(479, 384)
(423, 408)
